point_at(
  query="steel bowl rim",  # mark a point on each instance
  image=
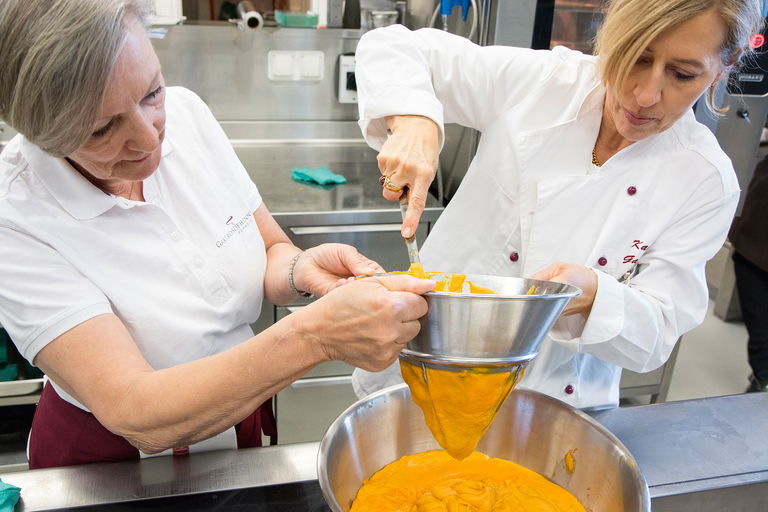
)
(468, 361)
(325, 485)
(322, 477)
(570, 292)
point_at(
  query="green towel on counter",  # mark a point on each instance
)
(323, 175)
(9, 496)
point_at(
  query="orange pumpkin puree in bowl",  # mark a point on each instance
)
(458, 408)
(436, 482)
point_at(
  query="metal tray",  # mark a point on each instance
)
(20, 387)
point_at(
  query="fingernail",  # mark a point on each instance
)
(407, 233)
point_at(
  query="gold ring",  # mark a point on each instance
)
(391, 186)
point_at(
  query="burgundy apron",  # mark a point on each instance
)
(64, 435)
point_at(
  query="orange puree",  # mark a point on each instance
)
(417, 270)
(449, 283)
(435, 482)
(459, 406)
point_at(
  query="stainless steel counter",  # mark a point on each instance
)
(269, 151)
(698, 455)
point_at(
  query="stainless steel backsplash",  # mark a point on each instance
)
(227, 67)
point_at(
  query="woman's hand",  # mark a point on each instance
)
(577, 275)
(409, 158)
(325, 267)
(367, 322)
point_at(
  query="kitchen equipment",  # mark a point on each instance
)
(351, 15)
(463, 330)
(335, 12)
(401, 8)
(531, 429)
(477, 334)
(248, 15)
(410, 243)
(382, 18)
(303, 19)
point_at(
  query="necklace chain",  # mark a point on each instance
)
(595, 161)
(130, 193)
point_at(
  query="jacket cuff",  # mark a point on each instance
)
(417, 103)
(605, 321)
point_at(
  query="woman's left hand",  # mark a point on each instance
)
(577, 275)
(325, 267)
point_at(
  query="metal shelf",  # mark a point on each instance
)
(20, 392)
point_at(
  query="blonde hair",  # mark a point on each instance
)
(56, 57)
(631, 25)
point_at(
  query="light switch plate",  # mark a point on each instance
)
(295, 66)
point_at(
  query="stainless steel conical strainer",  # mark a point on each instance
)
(502, 330)
(473, 349)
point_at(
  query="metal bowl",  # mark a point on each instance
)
(531, 429)
(478, 329)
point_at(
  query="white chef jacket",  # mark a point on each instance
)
(184, 270)
(531, 197)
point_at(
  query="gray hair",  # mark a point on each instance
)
(56, 57)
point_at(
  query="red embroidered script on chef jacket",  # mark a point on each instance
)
(639, 245)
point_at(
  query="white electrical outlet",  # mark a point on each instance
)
(287, 66)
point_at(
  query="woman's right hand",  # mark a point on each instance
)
(409, 158)
(367, 322)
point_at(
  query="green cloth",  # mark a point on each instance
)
(323, 175)
(19, 368)
(9, 496)
(8, 371)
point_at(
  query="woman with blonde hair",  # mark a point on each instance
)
(590, 170)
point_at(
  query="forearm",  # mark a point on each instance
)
(276, 288)
(188, 403)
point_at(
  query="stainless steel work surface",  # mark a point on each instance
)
(709, 447)
(93, 484)
(696, 444)
(270, 166)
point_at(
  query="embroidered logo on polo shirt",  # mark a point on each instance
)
(236, 228)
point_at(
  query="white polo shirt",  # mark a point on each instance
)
(184, 270)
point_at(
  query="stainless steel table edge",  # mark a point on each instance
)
(159, 477)
(315, 218)
(708, 484)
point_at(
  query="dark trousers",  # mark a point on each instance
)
(752, 286)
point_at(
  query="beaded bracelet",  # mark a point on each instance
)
(291, 284)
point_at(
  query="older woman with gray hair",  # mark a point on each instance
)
(135, 252)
